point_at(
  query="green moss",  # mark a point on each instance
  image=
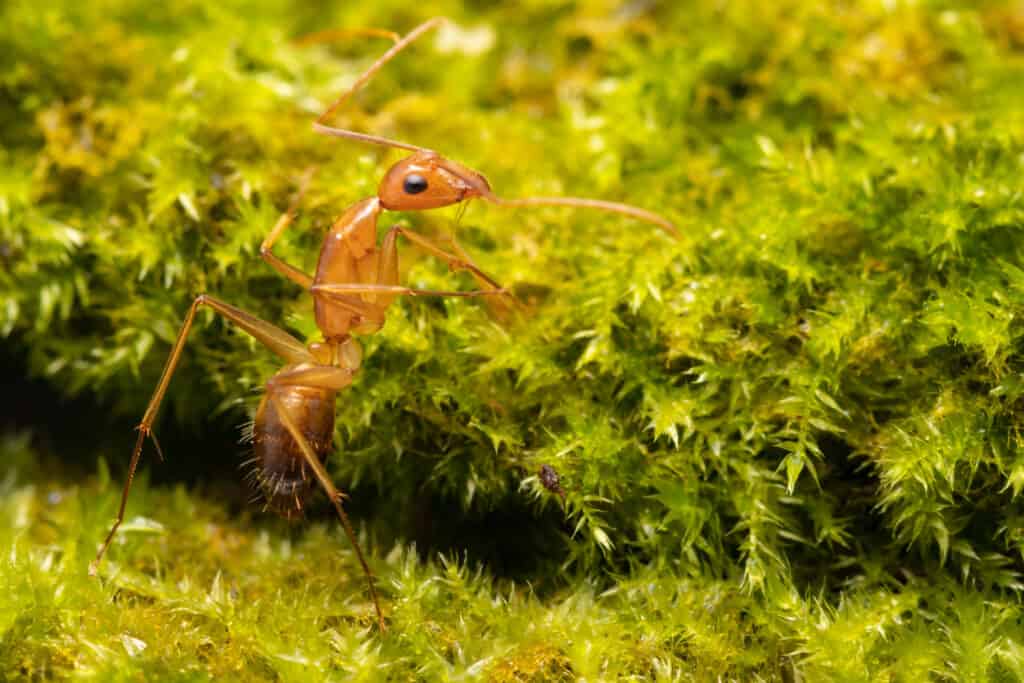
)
(790, 442)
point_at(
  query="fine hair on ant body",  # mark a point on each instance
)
(355, 282)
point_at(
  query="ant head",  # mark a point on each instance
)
(426, 180)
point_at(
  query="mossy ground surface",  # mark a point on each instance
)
(790, 442)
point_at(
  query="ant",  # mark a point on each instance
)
(356, 280)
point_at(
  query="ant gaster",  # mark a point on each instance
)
(355, 282)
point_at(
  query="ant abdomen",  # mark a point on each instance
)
(279, 469)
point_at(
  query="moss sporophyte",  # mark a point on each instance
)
(785, 446)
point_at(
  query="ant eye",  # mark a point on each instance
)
(414, 183)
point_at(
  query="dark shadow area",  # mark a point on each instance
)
(73, 433)
(511, 541)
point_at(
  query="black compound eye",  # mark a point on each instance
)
(414, 183)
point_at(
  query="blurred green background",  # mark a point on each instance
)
(790, 442)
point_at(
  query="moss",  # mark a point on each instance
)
(790, 443)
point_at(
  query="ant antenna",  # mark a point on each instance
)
(400, 44)
(600, 204)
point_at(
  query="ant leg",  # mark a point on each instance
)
(276, 339)
(324, 376)
(387, 272)
(501, 308)
(346, 296)
(332, 492)
(336, 292)
(320, 126)
(456, 263)
(285, 269)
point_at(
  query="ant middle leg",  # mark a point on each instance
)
(341, 291)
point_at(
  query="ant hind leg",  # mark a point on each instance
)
(325, 481)
(274, 338)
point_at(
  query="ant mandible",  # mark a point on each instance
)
(356, 280)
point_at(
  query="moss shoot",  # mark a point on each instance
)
(791, 444)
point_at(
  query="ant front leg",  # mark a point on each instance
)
(369, 300)
(460, 260)
(455, 263)
(274, 338)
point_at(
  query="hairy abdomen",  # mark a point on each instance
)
(281, 471)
